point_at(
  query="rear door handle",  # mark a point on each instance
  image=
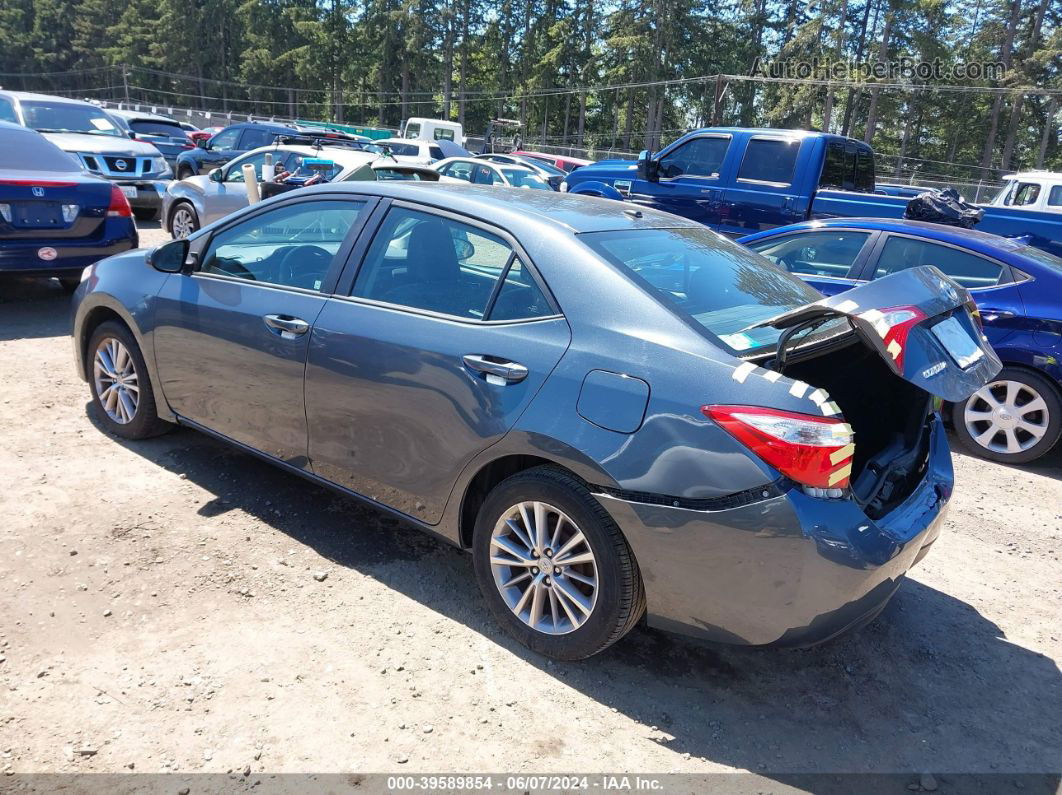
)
(289, 327)
(511, 372)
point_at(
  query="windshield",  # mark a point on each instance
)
(998, 197)
(718, 284)
(519, 178)
(63, 117)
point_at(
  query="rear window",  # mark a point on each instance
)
(148, 127)
(718, 284)
(23, 149)
(770, 160)
(405, 150)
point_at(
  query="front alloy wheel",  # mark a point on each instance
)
(183, 223)
(116, 378)
(544, 568)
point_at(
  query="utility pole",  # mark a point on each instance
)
(125, 82)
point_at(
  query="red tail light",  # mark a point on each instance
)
(894, 325)
(814, 451)
(119, 207)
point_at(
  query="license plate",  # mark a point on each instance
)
(957, 342)
(129, 191)
(37, 215)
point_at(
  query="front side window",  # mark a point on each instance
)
(864, 169)
(291, 246)
(1025, 193)
(7, 111)
(816, 253)
(716, 283)
(701, 157)
(63, 117)
(769, 160)
(226, 139)
(428, 262)
(969, 270)
(234, 172)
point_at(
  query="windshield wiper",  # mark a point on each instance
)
(63, 130)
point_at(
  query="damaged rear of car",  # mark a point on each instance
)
(838, 400)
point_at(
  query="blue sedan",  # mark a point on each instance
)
(1018, 288)
(54, 217)
(727, 455)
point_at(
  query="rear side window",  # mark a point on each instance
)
(815, 253)
(424, 261)
(716, 283)
(864, 169)
(701, 157)
(460, 169)
(226, 139)
(21, 147)
(1055, 198)
(769, 160)
(519, 297)
(969, 270)
(435, 152)
(252, 139)
(848, 166)
(443, 134)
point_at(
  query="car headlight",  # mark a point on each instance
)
(159, 164)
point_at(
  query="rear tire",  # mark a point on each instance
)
(116, 369)
(585, 532)
(146, 214)
(184, 172)
(1027, 397)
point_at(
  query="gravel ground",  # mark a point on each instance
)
(176, 605)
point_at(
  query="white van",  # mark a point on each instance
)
(433, 130)
(1031, 190)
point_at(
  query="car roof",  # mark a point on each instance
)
(32, 97)
(517, 208)
(973, 239)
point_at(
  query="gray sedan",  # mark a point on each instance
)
(617, 412)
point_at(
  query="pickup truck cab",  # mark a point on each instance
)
(740, 181)
(1031, 190)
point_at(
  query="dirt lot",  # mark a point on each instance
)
(164, 609)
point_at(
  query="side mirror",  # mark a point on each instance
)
(132, 135)
(648, 169)
(215, 175)
(169, 257)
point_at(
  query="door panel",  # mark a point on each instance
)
(395, 413)
(763, 196)
(231, 339)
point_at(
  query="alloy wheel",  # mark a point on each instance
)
(115, 379)
(1006, 417)
(544, 568)
(183, 223)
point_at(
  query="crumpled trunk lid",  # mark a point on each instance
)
(920, 322)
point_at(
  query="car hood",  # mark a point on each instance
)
(199, 184)
(101, 144)
(605, 169)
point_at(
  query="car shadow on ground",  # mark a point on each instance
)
(931, 685)
(32, 308)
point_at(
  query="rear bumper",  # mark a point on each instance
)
(792, 570)
(72, 255)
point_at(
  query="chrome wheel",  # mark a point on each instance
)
(1007, 417)
(115, 378)
(183, 222)
(544, 568)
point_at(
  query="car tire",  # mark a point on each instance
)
(184, 172)
(146, 214)
(1037, 429)
(562, 629)
(183, 216)
(114, 410)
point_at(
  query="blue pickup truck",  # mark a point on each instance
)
(740, 181)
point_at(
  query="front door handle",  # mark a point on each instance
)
(510, 372)
(289, 327)
(995, 314)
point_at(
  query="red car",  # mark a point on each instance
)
(562, 162)
(205, 134)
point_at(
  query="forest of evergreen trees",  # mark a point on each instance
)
(379, 61)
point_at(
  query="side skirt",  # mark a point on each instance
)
(318, 480)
